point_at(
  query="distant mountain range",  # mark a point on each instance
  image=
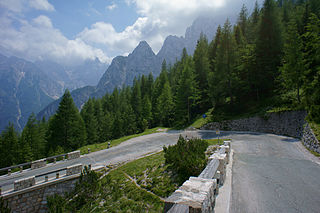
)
(142, 61)
(122, 71)
(27, 87)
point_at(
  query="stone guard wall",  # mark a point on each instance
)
(291, 124)
(34, 199)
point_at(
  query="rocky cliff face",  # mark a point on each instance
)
(24, 89)
(123, 70)
(143, 60)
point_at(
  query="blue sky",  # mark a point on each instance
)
(71, 31)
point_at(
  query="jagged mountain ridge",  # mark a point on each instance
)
(142, 61)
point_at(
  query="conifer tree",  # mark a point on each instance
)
(33, 140)
(268, 50)
(90, 120)
(311, 57)
(166, 106)
(66, 128)
(10, 146)
(187, 94)
(202, 69)
(292, 68)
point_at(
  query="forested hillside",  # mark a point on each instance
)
(269, 58)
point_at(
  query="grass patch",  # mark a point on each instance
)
(200, 121)
(101, 146)
(137, 186)
(216, 141)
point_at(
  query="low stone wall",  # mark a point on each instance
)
(291, 124)
(198, 193)
(24, 183)
(34, 199)
(38, 164)
(283, 123)
(76, 169)
(310, 140)
(73, 155)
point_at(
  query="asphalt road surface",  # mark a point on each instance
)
(273, 174)
(270, 173)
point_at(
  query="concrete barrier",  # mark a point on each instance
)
(24, 183)
(38, 163)
(73, 155)
(72, 170)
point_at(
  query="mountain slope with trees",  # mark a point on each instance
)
(268, 59)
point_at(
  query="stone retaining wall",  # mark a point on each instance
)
(76, 169)
(310, 140)
(38, 164)
(291, 124)
(283, 123)
(24, 183)
(34, 199)
(73, 155)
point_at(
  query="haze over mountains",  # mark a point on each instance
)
(142, 61)
(47, 80)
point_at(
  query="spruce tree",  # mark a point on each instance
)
(268, 50)
(202, 69)
(292, 68)
(187, 94)
(10, 147)
(66, 128)
(311, 57)
(90, 120)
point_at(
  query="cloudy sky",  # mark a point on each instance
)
(70, 31)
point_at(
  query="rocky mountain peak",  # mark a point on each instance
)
(143, 49)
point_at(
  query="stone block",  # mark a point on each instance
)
(227, 151)
(210, 170)
(222, 165)
(196, 193)
(72, 170)
(24, 183)
(227, 143)
(38, 164)
(73, 155)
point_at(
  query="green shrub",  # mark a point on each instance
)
(187, 158)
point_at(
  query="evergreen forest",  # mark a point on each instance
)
(270, 58)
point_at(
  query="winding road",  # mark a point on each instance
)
(270, 173)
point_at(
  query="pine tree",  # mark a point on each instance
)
(268, 50)
(10, 146)
(223, 79)
(187, 94)
(90, 120)
(147, 110)
(311, 57)
(202, 69)
(243, 21)
(33, 140)
(292, 68)
(166, 106)
(66, 128)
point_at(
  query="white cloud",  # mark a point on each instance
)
(43, 21)
(38, 40)
(41, 5)
(112, 6)
(157, 20)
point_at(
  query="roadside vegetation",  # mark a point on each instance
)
(267, 60)
(137, 186)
